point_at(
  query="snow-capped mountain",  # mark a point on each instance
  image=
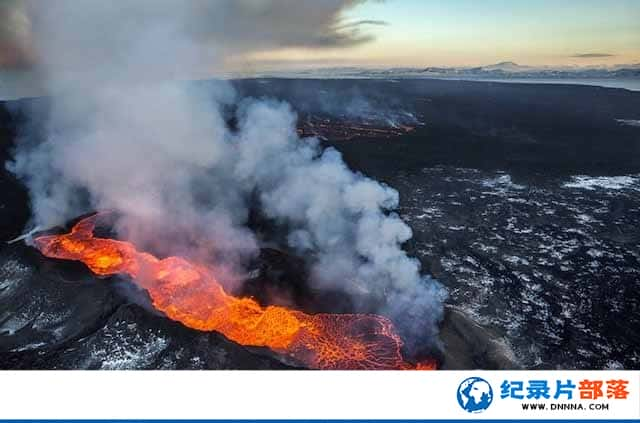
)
(502, 70)
(514, 70)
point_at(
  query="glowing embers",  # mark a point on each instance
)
(189, 293)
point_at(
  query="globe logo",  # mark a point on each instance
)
(475, 395)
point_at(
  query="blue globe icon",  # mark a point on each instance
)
(475, 395)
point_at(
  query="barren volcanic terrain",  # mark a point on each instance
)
(524, 201)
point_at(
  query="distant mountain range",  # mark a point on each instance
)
(503, 70)
(19, 84)
(511, 69)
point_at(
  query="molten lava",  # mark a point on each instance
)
(189, 293)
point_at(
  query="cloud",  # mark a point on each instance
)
(15, 40)
(95, 32)
(362, 22)
(592, 55)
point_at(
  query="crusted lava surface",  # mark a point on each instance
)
(344, 129)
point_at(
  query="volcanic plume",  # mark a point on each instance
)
(184, 164)
(189, 293)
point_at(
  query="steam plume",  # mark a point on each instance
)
(161, 154)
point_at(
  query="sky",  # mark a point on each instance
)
(202, 38)
(420, 33)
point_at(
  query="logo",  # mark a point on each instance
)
(475, 395)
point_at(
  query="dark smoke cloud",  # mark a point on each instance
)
(91, 33)
(161, 154)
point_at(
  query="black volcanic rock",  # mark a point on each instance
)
(46, 304)
(134, 338)
(468, 345)
(550, 263)
(489, 125)
(57, 315)
(281, 278)
(14, 200)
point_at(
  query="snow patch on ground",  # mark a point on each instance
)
(629, 122)
(11, 273)
(140, 348)
(502, 184)
(592, 183)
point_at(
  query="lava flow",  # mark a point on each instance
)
(189, 293)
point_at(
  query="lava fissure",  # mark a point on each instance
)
(189, 293)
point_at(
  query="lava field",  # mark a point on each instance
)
(524, 202)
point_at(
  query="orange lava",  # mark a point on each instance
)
(189, 293)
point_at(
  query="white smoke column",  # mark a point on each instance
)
(147, 152)
(161, 155)
(338, 216)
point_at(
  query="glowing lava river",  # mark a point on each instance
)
(189, 293)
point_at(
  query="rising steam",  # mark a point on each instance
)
(162, 155)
